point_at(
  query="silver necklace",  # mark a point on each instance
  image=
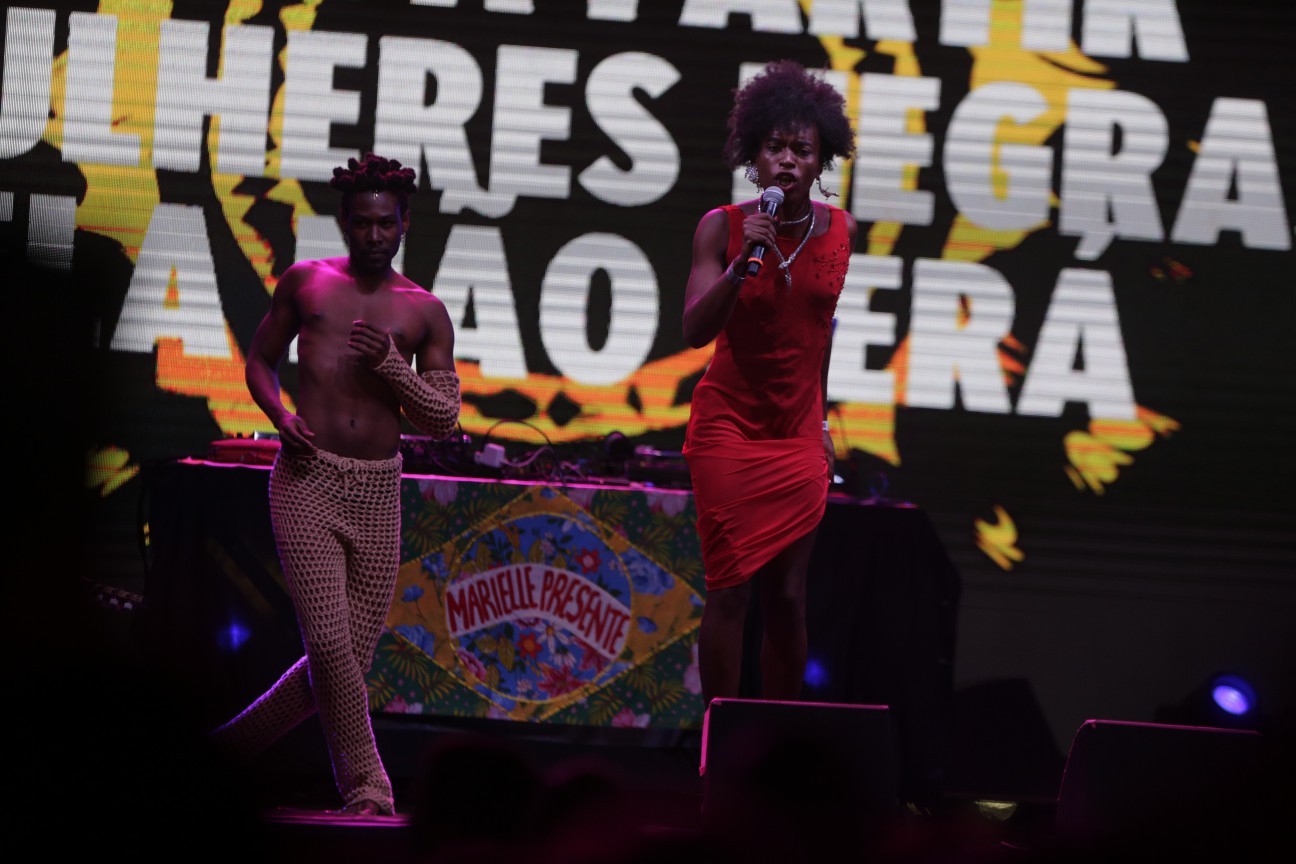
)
(808, 214)
(786, 263)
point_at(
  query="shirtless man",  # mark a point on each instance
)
(335, 485)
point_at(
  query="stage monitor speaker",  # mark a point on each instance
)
(1124, 777)
(814, 756)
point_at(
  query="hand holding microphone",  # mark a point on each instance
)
(771, 199)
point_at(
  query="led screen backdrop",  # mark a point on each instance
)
(1066, 329)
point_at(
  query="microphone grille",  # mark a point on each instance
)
(772, 195)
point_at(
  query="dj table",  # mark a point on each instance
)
(570, 605)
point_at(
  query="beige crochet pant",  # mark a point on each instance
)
(337, 528)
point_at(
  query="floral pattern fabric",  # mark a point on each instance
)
(562, 604)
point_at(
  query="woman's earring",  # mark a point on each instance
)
(751, 175)
(822, 190)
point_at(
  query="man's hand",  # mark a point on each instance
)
(295, 434)
(371, 342)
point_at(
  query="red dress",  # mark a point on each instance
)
(754, 443)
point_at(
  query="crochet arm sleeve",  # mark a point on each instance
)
(430, 400)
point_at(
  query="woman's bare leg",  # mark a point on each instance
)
(782, 586)
(720, 641)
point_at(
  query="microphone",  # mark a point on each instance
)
(770, 200)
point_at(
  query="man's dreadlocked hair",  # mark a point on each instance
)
(786, 97)
(374, 174)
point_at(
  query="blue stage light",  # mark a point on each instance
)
(1225, 699)
(816, 675)
(233, 637)
(1233, 695)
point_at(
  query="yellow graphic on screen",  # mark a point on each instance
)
(119, 200)
(1097, 455)
(998, 539)
(108, 469)
(871, 428)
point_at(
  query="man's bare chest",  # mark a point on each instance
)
(331, 314)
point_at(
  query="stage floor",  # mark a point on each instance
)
(593, 802)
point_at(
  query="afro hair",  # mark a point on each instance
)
(785, 96)
(374, 173)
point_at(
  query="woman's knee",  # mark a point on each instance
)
(729, 603)
(783, 586)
